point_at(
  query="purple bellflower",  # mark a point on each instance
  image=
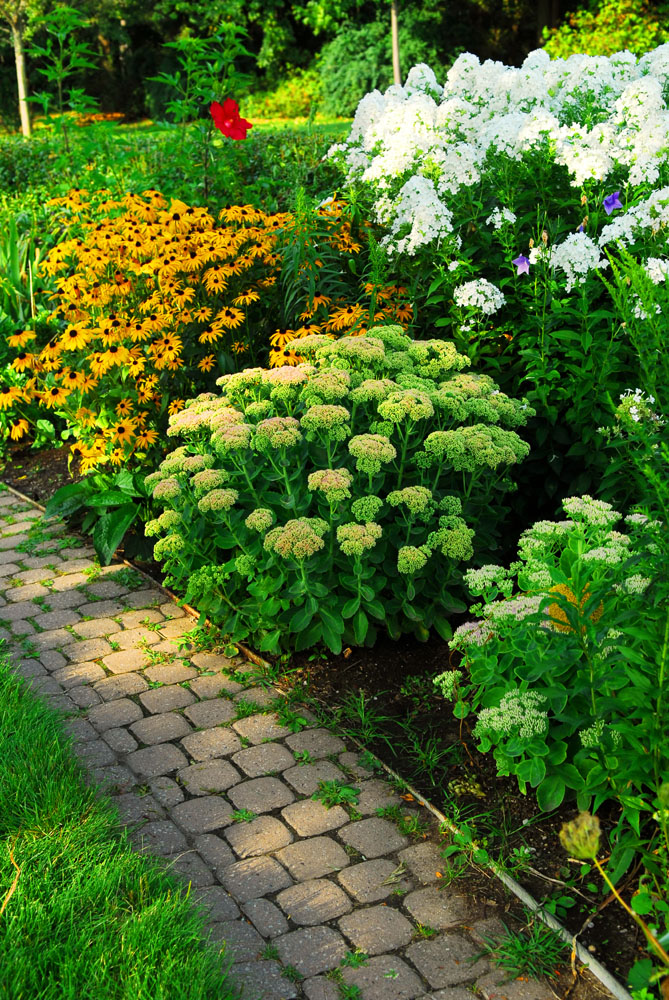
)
(522, 264)
(612, 202)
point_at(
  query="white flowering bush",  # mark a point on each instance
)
(512, 188)
(323, 501)
(563, 665)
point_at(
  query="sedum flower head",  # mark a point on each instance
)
(411, 560)
(297, 539)
(169, 519)
(235, 437)
(260, 408)
(207, 480)
(364, 351)
(167, 489)
(373, 390)
(277, 432)
(580, 837)
(217, 500)
(518, 713)
(447, 683)
(168, 546)
(196, 463)
(371, 450)
(354, 539)
(366, 508)
(260, 519)
(406, 404)
(245, 565)
(326, 387)
(469, 448)
(334, 483)
(325, 417)
(453, 538)
(417, 500)
(591, 512)
(393, 337)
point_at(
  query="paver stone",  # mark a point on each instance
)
(153, 761)
(309, 818)
(203, 814)
(114, 714)
(260, 795)
(447, 960)
(263, 981)
(166, 699)
(441, 909)
(424, 861)
(254, 878)
(209, 776)
(266, 917)
(317, 743)
(385, 977)
(372, 881)
(377, 929)
(242, 941)
(262, 759)
(314, 902)
(313, 858)
(218, 903)
(260, 836)
(160, 728)
(215, 742)
(311, 949)
(373, 837)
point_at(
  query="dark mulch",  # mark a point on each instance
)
(392, 685)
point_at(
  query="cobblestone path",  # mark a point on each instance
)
(207, 776)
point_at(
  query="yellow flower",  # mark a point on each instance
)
(24, 361)
(206, 363)
(74, 339)
(175, 406)
(55, 396)
(18, 430)
(345, 316)
(238, 347)
(73, 380)
(246, 298)
(124, 407)
(123, 431)
(146, 438)
(117, 456)
(202, 314)
(210, 335)
(20, 339)
(559, 620)
(280, 338)
(8, 396)
(85, 416)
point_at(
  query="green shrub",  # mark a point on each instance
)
(296, 96)
(566, 664)
(615, 26)
(324, 501)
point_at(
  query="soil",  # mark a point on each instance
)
(385, 695)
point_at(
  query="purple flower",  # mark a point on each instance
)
(612, 202)
(522, 263)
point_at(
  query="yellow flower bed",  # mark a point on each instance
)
(155, 300)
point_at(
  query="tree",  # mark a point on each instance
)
(394, 35)
(16, 14)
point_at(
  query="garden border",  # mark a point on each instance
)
(595, 967)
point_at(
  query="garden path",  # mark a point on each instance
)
(205, 775)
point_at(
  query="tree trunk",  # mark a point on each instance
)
(397, 76)
(17, 27)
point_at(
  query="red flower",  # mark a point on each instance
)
(227, 120)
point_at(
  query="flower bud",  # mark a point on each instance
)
(580, 837)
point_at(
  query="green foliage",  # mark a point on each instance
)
(565, 665)
(297, 95)
(534, 951)
(333, 793)
(106, 504)
(78, 871)
(313, 521)
(614, 26)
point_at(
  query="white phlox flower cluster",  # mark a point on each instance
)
(500, 217)
(651, 214)
(577, 256)
(595, 115)
(657, 270)
(418, 207)
(480, 294)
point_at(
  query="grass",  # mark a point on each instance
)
(84, 916)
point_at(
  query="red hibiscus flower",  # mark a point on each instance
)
(227, 120)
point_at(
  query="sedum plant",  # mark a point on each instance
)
(321, 502)
(565, 665)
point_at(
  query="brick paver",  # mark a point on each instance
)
(225, 797)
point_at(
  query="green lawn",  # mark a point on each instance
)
(87, 918)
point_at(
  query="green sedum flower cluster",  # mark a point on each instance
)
(321, 502)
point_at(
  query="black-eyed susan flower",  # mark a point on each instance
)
(175, 406)
(231, 317)
(19, 429)
(346, 316)
(246, 298)
(24, 361)
(55, 396)
(146, 438)
(206, 363)
(20, 339)
(123, 432)
(74, 339)
(124, 407)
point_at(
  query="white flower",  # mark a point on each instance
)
(577, 256)
(480, 294)
(500, 217)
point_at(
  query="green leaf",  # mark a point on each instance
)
(443, 628)
(360, 627)
(375, 609)
(110, 529)
(334, 622)
(550, 793)
(642, 903)
(67, 500)
(310, 637)
(533, 771)
(332, 639)
(108, 498)
(350, 607)
(300, 619)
